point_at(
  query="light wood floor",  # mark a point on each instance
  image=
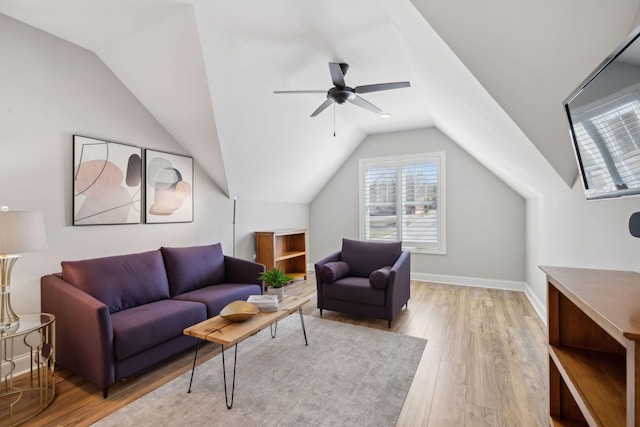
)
(485, 363)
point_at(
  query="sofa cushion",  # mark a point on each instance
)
(120, 282)
(140, 328)
(332, 271)
(364, 257)
(354, 289)
(193, 267)
(379, 278)
(217, 296)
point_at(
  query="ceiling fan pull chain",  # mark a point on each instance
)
(334, 119)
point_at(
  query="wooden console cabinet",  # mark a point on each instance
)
(286, 249)
(594, 359)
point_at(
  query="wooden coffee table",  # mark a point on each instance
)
(227, 333)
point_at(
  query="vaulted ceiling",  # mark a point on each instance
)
(492, 75)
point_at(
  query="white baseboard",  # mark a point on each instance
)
(538, 306)
(509, 285)
(23, 364)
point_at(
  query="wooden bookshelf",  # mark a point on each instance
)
(286, 249)
(594, 330)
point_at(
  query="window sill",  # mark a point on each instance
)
(424, 251)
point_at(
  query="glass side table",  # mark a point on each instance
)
(25, 391)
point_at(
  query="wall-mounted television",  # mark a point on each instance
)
(604, 119)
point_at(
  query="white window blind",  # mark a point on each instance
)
(610, 139)
(402, 198)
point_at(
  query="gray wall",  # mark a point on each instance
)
(565, 229)
(485, 218)
(51, 89)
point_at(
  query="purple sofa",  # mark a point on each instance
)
(365, 278)
(118, 315)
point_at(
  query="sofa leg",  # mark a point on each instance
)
(105, 392)
(389, 324)
(320, 312)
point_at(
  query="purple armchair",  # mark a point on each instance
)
(365, 278)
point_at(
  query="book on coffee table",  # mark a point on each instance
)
(264, 302)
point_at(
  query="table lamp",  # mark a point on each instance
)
(20, 231)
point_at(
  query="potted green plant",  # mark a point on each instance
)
(276, 279)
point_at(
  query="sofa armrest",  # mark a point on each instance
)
(243, 271)
(84, 335)
(336, 256)
(399, 287)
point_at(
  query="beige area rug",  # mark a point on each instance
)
(347, 376)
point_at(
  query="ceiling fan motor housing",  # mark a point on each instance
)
(341, 95)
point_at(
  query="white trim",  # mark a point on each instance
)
(23, 364)
(538, 306)
(508, 285)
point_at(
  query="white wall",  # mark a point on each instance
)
(485, 218)
(51, 89)
(564, 229)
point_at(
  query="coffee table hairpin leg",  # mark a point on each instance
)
(224, 377)
(193, 369)
(274, 329)
(224, 374)
(304, 331)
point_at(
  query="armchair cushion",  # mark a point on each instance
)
(193, 267)
(355, 290)
(379, 278)
(332, 271)
(365, 257)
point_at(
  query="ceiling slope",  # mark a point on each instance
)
(207, 71)
(274, 149)
(530, 56)
(465, 111)
(162, 65)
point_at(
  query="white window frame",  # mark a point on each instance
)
(438, 248)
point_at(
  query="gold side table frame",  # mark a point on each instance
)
(23, 395)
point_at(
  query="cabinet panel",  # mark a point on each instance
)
(592, 346)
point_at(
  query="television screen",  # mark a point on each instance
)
(604, 118)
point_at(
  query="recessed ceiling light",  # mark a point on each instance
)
(385, 115)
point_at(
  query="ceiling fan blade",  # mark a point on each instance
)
(322, 107)
(337, 76)
(380, 86)
(300, 91)
(361, 102)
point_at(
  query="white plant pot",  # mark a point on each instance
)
(277, 291)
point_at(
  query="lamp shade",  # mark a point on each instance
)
(21, 231)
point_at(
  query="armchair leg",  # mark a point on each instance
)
(389, 324)
(320, 312)
(105, 392)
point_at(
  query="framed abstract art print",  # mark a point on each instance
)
(169, 187)
(107, 182)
